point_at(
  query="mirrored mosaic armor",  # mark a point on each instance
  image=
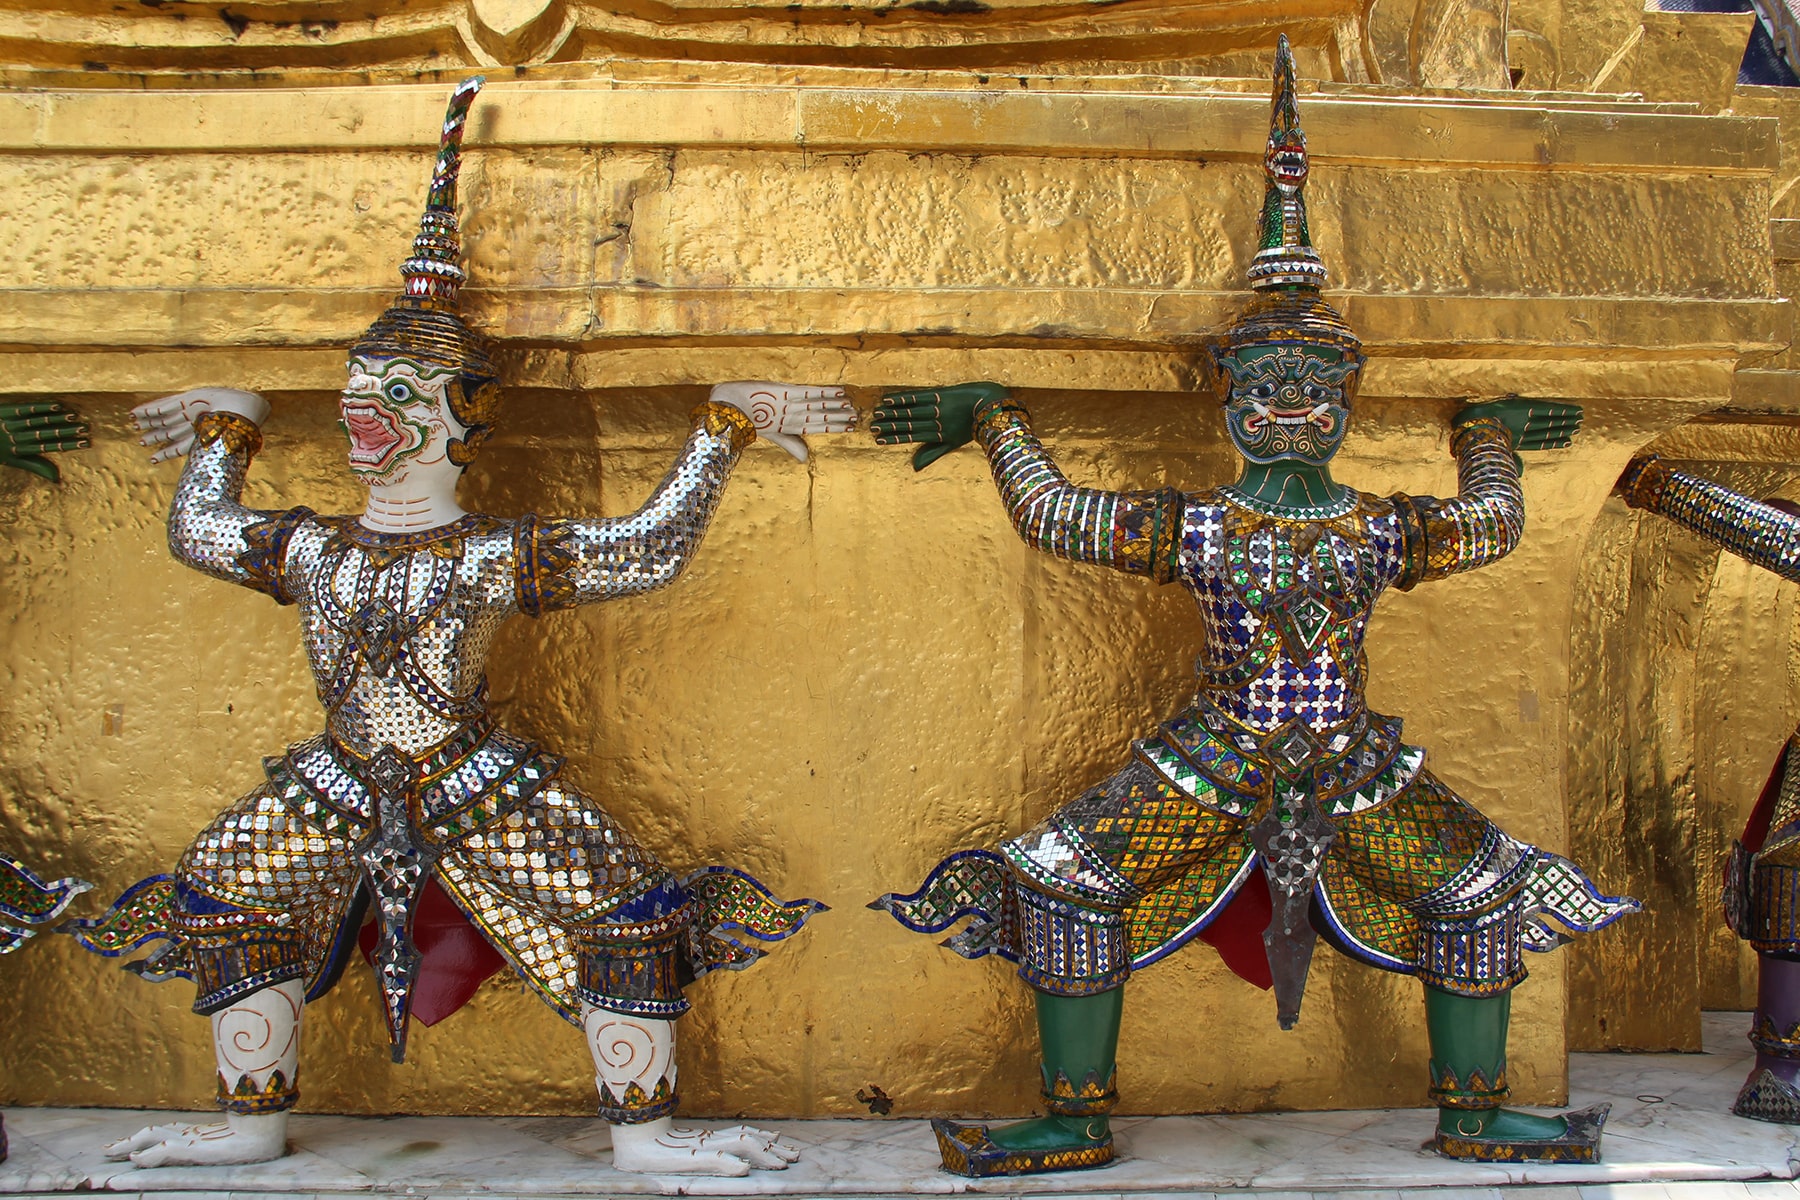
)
(413, 781)
(412, 803)
(1761, 892)
(1276, 803)
(1408, 876)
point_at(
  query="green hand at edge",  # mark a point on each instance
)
(940, 418)
(33, 463)
(31, 430)
(1531, 424)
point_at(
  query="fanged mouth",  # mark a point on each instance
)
(1289, 162)
(374, 441)
(1290, 416)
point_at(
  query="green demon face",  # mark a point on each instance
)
(394, 410)
(1287, 401)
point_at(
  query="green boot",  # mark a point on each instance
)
(1080, 1040)
(1468, 1082)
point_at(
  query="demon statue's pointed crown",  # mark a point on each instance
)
(1286, 272)
(423, 323)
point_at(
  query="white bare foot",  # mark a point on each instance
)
(661, 1148)
(235, 1140)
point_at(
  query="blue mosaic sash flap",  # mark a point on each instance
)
(143, 914)
(733, 913)
(27, 900)
(970, 883)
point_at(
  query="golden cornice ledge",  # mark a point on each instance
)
(1400, 43)
(840, 213)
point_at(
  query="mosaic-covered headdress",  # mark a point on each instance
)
(1287, 272)
(423, 323)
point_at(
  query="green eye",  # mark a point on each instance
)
(399, 392)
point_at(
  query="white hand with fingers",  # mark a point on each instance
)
(168, 424)
(784, 412)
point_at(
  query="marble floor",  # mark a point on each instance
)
(1670, 1136)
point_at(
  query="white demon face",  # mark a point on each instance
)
(395, 412)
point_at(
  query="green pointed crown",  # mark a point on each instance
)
(1285, 256)
(1286, 272)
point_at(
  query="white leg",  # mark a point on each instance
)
(252, 1040)
(640, 1050)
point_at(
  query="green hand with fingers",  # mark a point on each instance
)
(30, 431)
(1533, 424)
(940, 419)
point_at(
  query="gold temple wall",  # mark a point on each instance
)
(864, 669)
(1685, 670)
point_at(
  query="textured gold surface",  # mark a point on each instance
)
(865, 668)
(1687, 682)
(914, 216)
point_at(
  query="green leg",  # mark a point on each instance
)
(1468, 1070)
(1080, 1040)
(1080, 1035)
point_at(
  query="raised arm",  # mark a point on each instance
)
(1758, 533)
(563, 563)
(1137, 532)
(1486, 519)
(220, 430)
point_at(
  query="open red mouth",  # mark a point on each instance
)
(375, 441)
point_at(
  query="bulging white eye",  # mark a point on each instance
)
(399, 391)
(1259, 391)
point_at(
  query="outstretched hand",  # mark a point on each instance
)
(168, 424)
(30, 431)
(941, 419)
(783, 412)
(1533, 424)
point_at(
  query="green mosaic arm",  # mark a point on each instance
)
(1758, 533)
(1135, 532)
